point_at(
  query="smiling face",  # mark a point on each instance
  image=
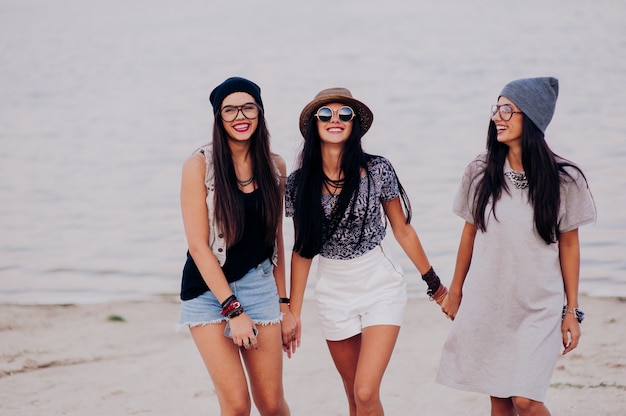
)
(241, 128)
(509, 131)
(335, 130)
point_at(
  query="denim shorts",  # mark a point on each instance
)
(256, 292)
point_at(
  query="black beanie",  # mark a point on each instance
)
(231, 85)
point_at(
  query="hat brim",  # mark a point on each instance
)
(365, 115)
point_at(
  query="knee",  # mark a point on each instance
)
(365, 397)
(523, 404)
(238, 409)
(272, 407)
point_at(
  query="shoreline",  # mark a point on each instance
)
(126, 358)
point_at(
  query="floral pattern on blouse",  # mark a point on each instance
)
(344, 244)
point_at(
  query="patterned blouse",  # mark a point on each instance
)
(382, 185)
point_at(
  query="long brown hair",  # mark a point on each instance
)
(229, 205)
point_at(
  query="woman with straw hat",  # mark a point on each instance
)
(335, 198)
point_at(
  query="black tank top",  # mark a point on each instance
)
(247, 253)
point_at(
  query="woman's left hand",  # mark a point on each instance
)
(289, 328)
(570, 329)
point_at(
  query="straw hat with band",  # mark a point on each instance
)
(336, 95)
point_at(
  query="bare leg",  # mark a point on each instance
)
(222, 360)
(502, 407)
(265, 370)
(345, 354)
(377, 345)
(361, 362)
(527, 407)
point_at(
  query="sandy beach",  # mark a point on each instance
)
(127, 359)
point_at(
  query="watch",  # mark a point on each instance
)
(578, 313)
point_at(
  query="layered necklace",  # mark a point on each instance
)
(246, 182)
(336, 184)
(519, 179)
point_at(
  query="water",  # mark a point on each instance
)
(103, 100)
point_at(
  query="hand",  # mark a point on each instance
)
(450, 304)
(289, 327)
(570, 329)
(243, 331)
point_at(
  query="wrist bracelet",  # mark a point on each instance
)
(228, 300)
(578, 314)
(284, 300)
(235, 312)
(232, 305)
(439, 294)
(432, 281)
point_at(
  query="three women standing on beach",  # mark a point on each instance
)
(234, 277)
(518, 258)
(338, 197)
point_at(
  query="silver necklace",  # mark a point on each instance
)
(519, 179)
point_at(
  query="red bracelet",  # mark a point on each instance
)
(232, 305)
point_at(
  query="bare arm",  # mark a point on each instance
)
(300, 268)
(451, 304)
(569, 257)
(195, 220)
(405, 235)
(289, 324)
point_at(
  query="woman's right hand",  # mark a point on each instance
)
(450, 304)
(243, 331)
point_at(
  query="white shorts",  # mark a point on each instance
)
(357, 293)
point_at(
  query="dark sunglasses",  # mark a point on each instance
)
(325, 114)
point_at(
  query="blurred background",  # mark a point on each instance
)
(102, 101)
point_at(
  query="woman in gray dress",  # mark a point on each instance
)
(514, 294)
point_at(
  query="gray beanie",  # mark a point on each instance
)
(536, 97)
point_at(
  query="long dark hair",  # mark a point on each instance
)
(544, 170)
(229, 204)
(312, 227)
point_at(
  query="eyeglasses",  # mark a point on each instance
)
(230, 112)
(325, 114)
(505, 110)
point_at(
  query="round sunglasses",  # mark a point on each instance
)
(325, 114)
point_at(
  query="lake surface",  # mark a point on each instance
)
(102, 101)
